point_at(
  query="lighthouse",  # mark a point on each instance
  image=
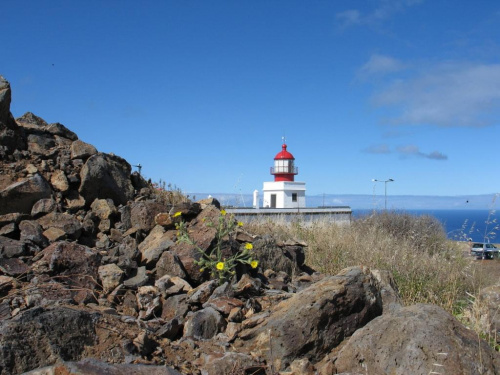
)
(284, 191)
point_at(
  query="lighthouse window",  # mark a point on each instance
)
(294, 197)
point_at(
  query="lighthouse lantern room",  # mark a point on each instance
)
(284, 191)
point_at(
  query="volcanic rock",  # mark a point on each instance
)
(418, 339)
(106, 176)
(21, 196)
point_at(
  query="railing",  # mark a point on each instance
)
(283, 169)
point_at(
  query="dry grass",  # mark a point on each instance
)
(426, 266)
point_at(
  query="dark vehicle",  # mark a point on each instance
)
(484, 251)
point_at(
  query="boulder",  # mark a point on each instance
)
(175, 307)
(60, 130)
(74, 265)
(419, 339)
(154, 245)
(10, 248)
(141, 278)
(104, 209)
(110, 275)
(169, 264)
(40, 144)
(204, 324)
(142, 214)
(43, 206)
(315, 320)
(59, 181)
(204, 236)
(11, 135)
(40, 337)
(82, 150)
(31, 231)
(31, 121)
(22, 195)
(67, 223)
(106, 176)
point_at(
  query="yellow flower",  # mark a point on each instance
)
(240, 224)
(254, 264)
(202, 269)
(178, 213)
(220, 266)
(223, 212)
(248, 246)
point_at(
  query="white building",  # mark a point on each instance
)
(284, 192)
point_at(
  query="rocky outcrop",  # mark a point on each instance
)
(419, 339)
(316, 319)
(94, 280)
(11, 136)
(106, 176)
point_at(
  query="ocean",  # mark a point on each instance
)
(479, 225)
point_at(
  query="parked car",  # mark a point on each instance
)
(484, 250)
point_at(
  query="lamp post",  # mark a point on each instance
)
(385, 189)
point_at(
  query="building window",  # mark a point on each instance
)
(294, 197)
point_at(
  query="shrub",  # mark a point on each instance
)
(426, 266)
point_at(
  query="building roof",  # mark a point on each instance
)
(284, 154)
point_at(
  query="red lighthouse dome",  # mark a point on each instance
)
(284, 169)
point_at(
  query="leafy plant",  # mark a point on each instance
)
(220, 267)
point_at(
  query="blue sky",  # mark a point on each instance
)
(201, 92)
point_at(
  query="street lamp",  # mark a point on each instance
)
(385, 186)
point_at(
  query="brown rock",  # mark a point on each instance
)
(75, 265)
(10, 248)
(154, 245)
(60, 130)
(31, 231)
(82, 150)
(169, 264)
(54, 234)
(142, 214)
(74, 201)
(13, 267)
(21, 196)
(169, 285)
(59, 181)
(39, 144)
(106, 176)
(175, 307)
(43, 207)
(110, 276)
(315, 320)
(224, 305)
(103, 208)
(418, 339)
(204, 324)
(63, 221)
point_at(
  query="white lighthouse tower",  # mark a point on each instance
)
(284, 192)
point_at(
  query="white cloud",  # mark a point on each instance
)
(412, 150)
(446, 95)
(378, 149)
(380, 64)
(384, 10)
(348, 18)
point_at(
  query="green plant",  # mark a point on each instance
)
(220, 267)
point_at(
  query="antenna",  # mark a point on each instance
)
(139, 167)
(283, 139)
